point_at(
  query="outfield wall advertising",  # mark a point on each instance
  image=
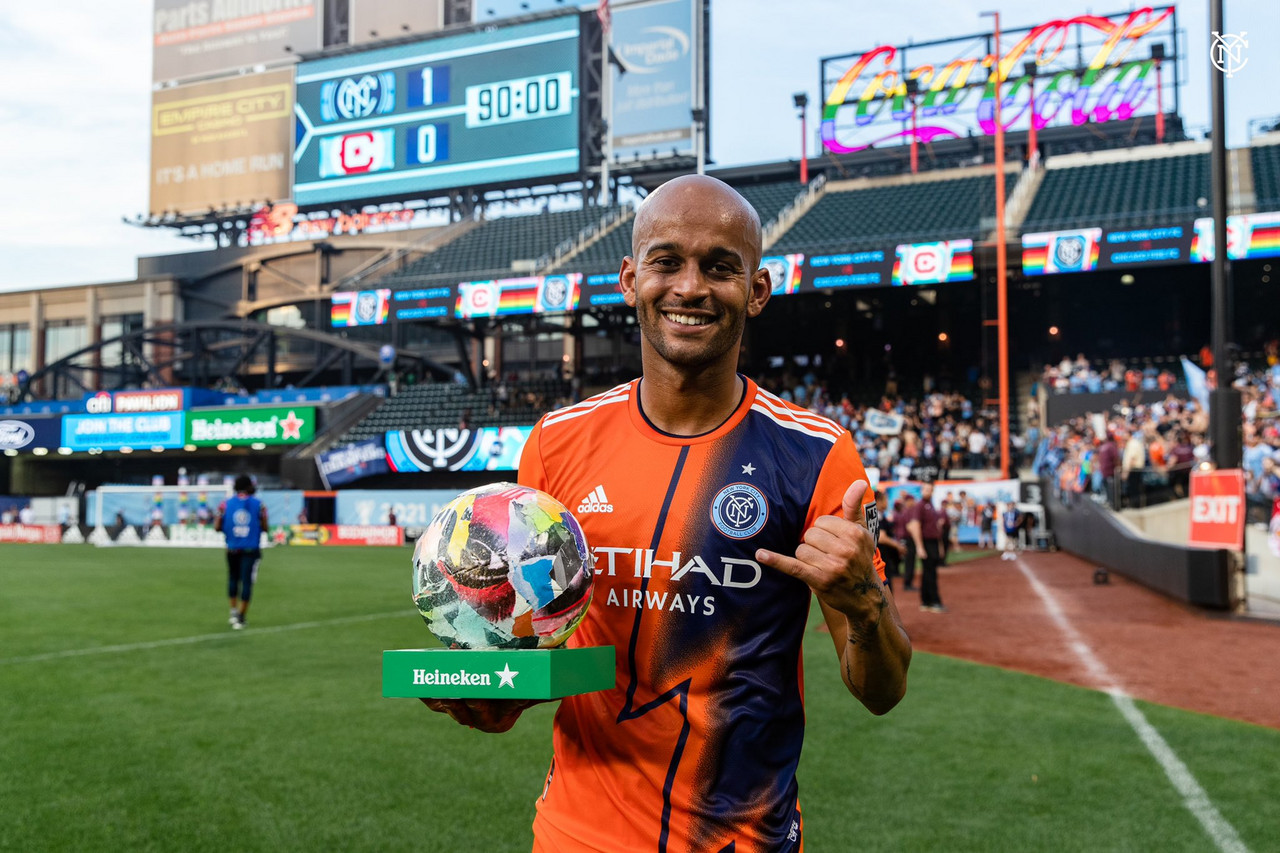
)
(482, 449)
(492, 106)
(201, 38)
(23, 434)
(239, 427)
(352, 462)
(413, 507)
(657, 55)
(1089, 249)
(222, 143)
(359, 308)
(112, 432)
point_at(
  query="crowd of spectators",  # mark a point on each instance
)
(1137, 454)
(1080, 376)
(928, 438)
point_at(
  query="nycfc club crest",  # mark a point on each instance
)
(1068, 252)
(367, 307)
(739, 510)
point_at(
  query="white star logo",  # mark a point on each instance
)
(506, 676)
(748, 469)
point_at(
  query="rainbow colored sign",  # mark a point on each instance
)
(1253, 235)
(535, 294)
(1089, 68)
(933, 263)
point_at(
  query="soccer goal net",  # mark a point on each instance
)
(131, 515)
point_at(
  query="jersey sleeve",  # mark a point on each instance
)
(532, 473)
(842, 468)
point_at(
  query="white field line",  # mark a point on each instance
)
(1194, 797)
(200, 638)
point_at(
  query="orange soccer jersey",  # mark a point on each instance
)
(696, 747)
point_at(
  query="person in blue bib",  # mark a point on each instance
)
(241, 520)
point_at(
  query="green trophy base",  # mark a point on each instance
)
(496, 673)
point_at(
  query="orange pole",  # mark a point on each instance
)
(1031, 134)
(1002, 270)
(1159, 106)
(804, 147)
(915, 158)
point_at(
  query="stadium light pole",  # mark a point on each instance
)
(1002, 262)
(1224, 400)
(801, 100)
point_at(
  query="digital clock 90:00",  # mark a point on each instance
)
(524, 99)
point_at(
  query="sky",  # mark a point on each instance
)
(74, 119)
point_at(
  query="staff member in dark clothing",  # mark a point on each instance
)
(900, 532)
(928, 529)
(891, 546)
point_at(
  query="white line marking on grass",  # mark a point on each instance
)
(1194, 797)
(201, 638)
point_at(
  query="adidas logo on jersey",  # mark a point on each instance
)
(595, 502)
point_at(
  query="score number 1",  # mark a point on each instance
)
(520, 100)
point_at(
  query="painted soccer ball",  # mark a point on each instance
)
(502, 566)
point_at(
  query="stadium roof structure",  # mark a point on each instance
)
(210, 352)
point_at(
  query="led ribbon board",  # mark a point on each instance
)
(473, 109)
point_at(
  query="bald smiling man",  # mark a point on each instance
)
(731, 509)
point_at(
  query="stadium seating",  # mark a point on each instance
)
(442, 405)
(769, 199)
(605, 254)
(1147, 192)
(934, 210)
(1266, 176)
(489, 250)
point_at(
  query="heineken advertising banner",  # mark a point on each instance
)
(267, 425)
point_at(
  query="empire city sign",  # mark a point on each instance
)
(1088, 68)
(270, 425)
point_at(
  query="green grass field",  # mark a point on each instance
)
(181, 735)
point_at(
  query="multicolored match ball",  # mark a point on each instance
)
(502, 566)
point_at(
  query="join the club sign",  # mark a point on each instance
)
(239, 426)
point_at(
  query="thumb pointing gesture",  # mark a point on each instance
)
(852, 503)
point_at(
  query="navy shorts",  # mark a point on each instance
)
(242, 571)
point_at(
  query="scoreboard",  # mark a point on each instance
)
(472, 109)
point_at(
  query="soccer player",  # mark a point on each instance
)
(724, 511)
(241, 520)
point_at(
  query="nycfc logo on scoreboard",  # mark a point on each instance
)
(358, 97)
(367, 307)
(739, 510)
(1068, 252)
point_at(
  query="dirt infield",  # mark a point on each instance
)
(1155, 648)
